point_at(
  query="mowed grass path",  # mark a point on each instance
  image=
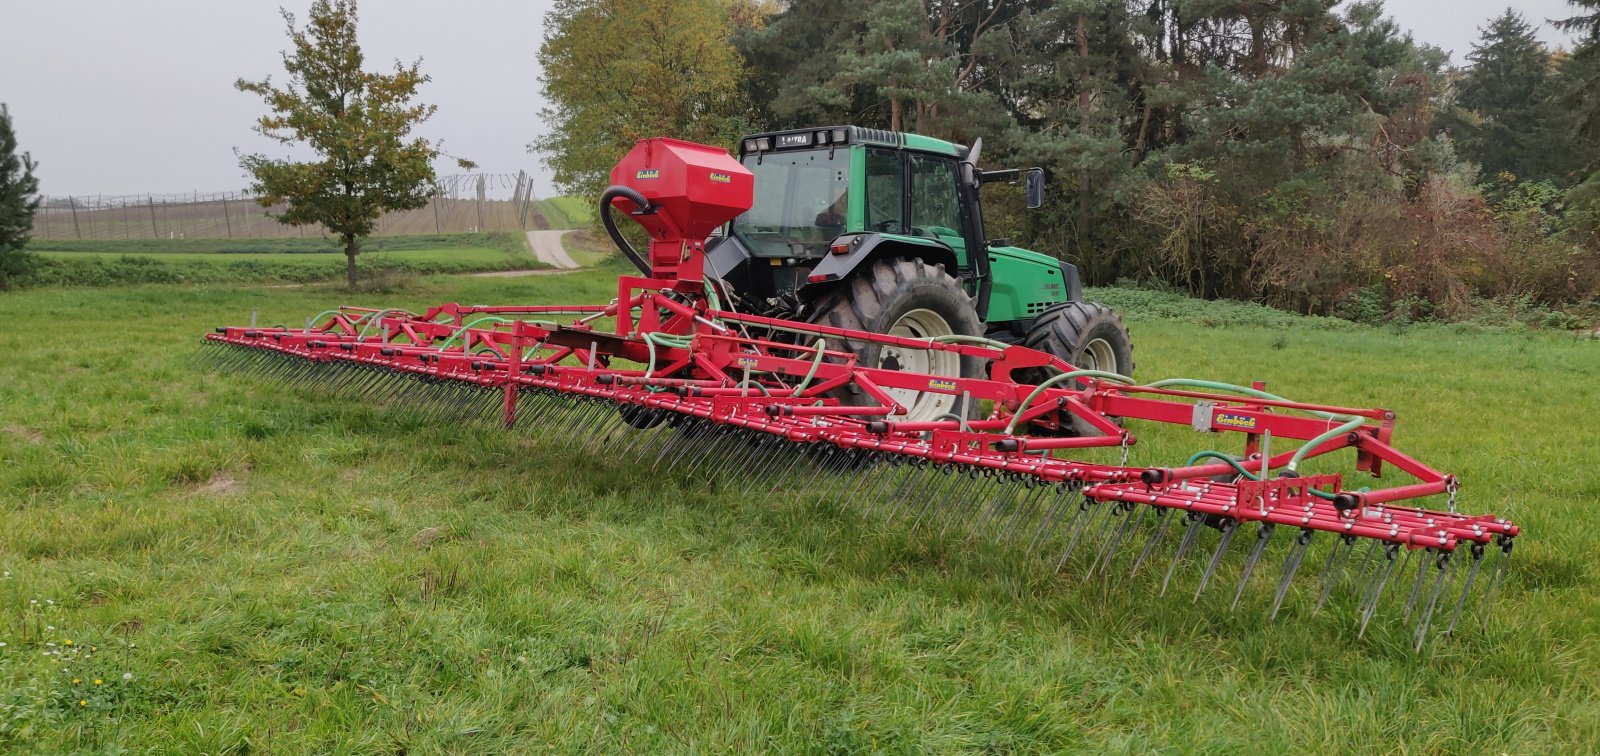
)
(279, 571)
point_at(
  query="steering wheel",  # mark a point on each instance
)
(884, 225)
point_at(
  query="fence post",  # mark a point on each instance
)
(225, 219)
(76, 231)
(480, 203)
(154, 233)
(438, 198)
(522, 206)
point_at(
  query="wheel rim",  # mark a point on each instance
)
(921, 324)
(1098, 355)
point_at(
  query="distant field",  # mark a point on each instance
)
(566, 212)
(271, 260)
(211, 218)
(588, 248)
(506, 240)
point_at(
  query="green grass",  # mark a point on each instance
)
(588, 248)
(284, 572)
(566, 212)
(509, 241)
(271, 260)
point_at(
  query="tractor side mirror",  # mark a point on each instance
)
(1033, 187)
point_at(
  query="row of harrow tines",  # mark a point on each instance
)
(766, 404)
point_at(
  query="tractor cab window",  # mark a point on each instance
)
(885, 190)
(935, 205)
(800, 202)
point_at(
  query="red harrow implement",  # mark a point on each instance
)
(665, 374)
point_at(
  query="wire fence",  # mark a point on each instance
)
(470, 203)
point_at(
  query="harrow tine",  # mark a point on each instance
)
(1263, 534)
(1195, 523)
(1374, 592)
(731, 460)
(1098, 514)
(1051, 516)
(1416, 585)
(777, 482)
(978, 494)
(1026, 507)
(1495, 574)
(1119, 512)
(1291, 565)
(1445, 568)
(945, 485)
(685, 435)
(894, 473)
(1230, 526)
(995, 494)
(1466, 587)
(1130, 523)
(1156, 537)
(1333, 569)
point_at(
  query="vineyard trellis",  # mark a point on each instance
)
(467, 203)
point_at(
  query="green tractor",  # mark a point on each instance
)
(883, 231)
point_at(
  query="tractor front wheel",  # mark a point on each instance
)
(1086, 335)
(913, 299)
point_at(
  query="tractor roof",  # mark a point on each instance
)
(828, 135)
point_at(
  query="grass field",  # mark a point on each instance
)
(240, 567)
(565, 212)
(215, 261)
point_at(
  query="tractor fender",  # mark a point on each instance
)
(866, 248)
(1074, 284)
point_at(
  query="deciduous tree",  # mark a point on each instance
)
(358, 123)
(617, 71)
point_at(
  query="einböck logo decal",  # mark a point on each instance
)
(747, 362)
(648, 173)
(722, 178)
(1230, 420)
(939, 384)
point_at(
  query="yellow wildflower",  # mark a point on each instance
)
(83, 702)
(97, 681)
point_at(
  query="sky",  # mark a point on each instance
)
(117, 97)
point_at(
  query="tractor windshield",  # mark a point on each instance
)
(800, 202)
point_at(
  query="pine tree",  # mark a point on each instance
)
(1504, 89)
(908, 65)
(1586, 25)
(19, 199)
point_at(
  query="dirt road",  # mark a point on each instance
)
(546, 246)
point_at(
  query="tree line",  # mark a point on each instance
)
(1304, 153)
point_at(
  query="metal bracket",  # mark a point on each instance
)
(1202, 415)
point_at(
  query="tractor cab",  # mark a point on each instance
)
(878, 231)
(831, 200)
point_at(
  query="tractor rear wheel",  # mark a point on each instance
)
(910, 298)
(1088, 336)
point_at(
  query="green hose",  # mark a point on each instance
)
(474, 323)
(956, 338)
(1236, 465)
(953, 416)
(652, 340)
(1351, 422)
(375, 317)
(747, 382)
(1053, 380)
(815, 363)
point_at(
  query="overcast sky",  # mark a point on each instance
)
(119, 97)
